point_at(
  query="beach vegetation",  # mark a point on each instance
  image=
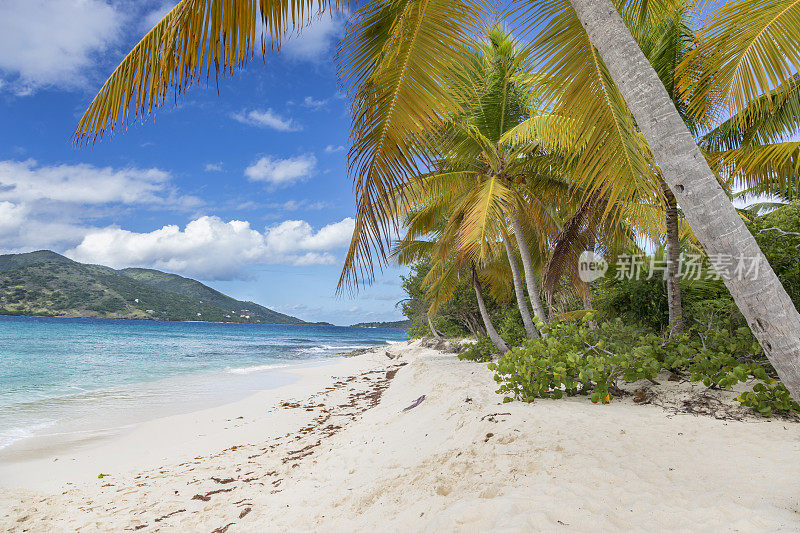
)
(575, 359)
(481, 351)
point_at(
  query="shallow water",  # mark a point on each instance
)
(72, 374)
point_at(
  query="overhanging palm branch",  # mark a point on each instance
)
(749, 48)
(768, 119)
(196, 38)
(616, 161)
(395, 58)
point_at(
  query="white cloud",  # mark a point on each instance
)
(27, 181)
(331, 149)
(293, 235)
(314, 42)
(267, 119)
(210, 248)
(313, 103)
(213, 167)
(11, 217)
(49, 206)
(53, 42)
(295, 205)
(282, 172)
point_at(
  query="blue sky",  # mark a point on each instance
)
(245, 189)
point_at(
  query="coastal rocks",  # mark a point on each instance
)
(454, 346)
(354, 353)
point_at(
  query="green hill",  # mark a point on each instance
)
(49, 284)
(197, 291)
(12, 261)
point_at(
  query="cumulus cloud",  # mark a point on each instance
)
(331, 149)
(267, 119)
(313, 103)
(11, 217)
(27, 181)
(314, 42)
(211, 248)
(282, 172)
(53, 42)
(213, 167)
(45, 206)
(293, 235)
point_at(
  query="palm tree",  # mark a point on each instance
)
(761, 298)
(394, 57)
(491, 162)
(446, 267)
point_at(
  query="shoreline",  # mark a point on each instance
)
(67, 455)
(408, 437)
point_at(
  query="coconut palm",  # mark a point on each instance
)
(440, 237)
(393, 60)
(494, 166)
(490, 153)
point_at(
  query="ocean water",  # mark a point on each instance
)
(73, 375)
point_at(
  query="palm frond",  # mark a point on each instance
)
(396, 55)
(196, 38)
(748, 48)
(769, 119)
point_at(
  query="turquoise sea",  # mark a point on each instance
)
(75, 374)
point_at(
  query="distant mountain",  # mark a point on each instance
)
(197, 291)
(401, 324)
(46, 283)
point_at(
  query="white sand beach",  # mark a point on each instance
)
(337, 452)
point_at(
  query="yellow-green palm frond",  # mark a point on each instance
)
(195, 38)
(440, 284)
(768, 169)
(395, 58)
(748, 48)
(484, 211)
(410, 251)
(551, 132)
(616, 161)
(496, 275)
(432, 189)
(768, 119)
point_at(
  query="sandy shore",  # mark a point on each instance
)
(337, 451)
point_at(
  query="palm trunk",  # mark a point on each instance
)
(759, 295)
(587, 294)
(495, 337)
(527, 267)
(674, 300)
(519, 291)
(433, 329)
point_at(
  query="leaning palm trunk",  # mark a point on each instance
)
(495, 337)
(759, 295)
(527, 266)
(433, 329)
(519, 291)
(587, 287)
(674, 300)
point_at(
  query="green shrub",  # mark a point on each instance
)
(575, 359)
(769, 398)
(511, 328)
(481, 351)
